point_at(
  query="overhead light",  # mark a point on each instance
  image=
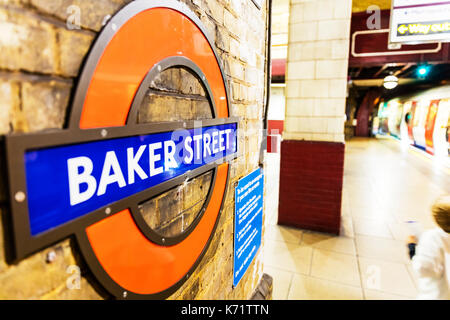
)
(390, 82)
(422, 71)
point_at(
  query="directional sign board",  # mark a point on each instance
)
(248, 220)
(419, 21)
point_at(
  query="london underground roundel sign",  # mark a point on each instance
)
(88, 180)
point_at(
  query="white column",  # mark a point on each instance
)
(316, 75)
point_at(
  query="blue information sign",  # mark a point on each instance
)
(67, 182)
(248, 220)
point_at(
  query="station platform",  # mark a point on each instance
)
(386, 184)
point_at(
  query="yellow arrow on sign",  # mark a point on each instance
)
(402, 29)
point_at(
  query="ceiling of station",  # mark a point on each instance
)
(280, 22)
(364, 75)
(362, 5)
(435, 72)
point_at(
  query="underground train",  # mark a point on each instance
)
(422, 119)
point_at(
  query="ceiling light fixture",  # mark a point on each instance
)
(390, 82)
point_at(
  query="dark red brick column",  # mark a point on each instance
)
(311, 178)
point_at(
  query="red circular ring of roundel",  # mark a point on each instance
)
(139, 36)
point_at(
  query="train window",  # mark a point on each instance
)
(408, 117)
(431, 115)
(422, 113)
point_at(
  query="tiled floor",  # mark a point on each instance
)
(385, 184)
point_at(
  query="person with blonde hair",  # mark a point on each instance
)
(431, 256)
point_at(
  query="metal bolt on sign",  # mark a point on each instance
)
(19, 196)
(51, 256)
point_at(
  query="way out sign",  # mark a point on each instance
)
(248, 219)
(420, 21)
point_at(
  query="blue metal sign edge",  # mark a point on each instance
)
(257, 173)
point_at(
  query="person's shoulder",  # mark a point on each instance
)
(434, 235)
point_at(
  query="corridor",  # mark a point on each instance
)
(385, 185)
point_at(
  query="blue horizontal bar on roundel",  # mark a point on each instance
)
(67, 182)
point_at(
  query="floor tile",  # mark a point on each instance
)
(381, 248)
(287, 256)
(338, 267)
(424, 217)
(369, 227)
(329, 242)
(399, 230)
(309, 288)
(388, 277)
(362, 199)
(379, 295)
(281, 282)
(376, 213)
(347, 229)
(283, 233)
(412, 274)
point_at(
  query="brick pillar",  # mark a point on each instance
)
(312, 151)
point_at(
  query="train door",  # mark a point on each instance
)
(448, 133)
(383, 118)
(429, 126)
(420, 118)
(393, 111)
(399, 119)
(405, 118)
(410, 121)
(441, 129)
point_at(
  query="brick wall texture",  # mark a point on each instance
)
(311, 177)
(40, 59)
